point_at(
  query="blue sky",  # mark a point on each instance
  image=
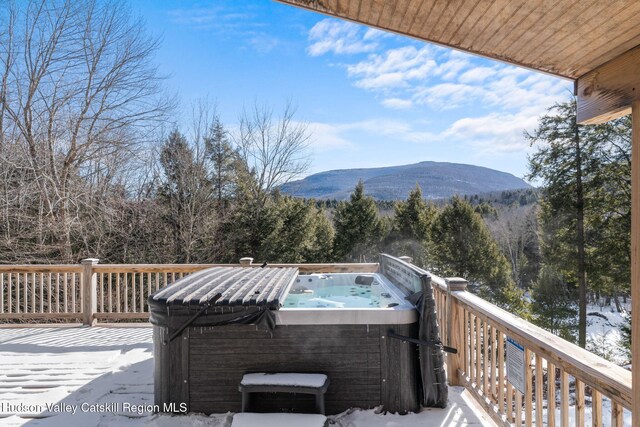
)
(370, 98)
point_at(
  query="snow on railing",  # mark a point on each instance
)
(562, 383)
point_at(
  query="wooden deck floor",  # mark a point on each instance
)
(113, 367)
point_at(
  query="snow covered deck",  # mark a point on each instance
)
(68, 376)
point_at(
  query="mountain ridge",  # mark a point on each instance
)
(437, 180)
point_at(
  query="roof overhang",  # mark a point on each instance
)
(594, 43)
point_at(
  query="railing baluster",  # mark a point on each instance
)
(100, 277)
(73, 292)
(528, 388)
(465, 341)
(126, 293)
(510, 404)
(33, 292)
(141, 293)
(478, 353)
(551, 394)
(518, 418)
(470, 323)
(49, 292)
(118, 292)
(64, 291)
(110, 296)
(596, 408)
(485, 359)
(564, 399)
(41, 292)
(133, 293)
(9, 297)
(501, 404)
(57, 292)
(17, 282)
(539, 385)
(493, 372)
(2, 287)
(579, 408)
(148, 292)
(25, 293)
(616, 414)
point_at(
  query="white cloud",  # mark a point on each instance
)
(476, 75)
(447, 96)
(264, 43)
(497, 132)
(450, 67)
(226, 23)
(325, 137)
(340, 38)
(397, 103)
(394, 68)
(216, 18)
(494, 103)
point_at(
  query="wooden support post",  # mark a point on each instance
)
(635, 260)
(455, 330)
(89, 291)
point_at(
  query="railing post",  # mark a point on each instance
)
(89, 291)
(455, 329)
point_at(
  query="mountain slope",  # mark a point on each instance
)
(437, 180)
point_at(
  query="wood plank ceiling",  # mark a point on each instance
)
(567, 38)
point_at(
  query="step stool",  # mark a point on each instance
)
(262, 382)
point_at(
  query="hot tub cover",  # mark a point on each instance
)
(221, 296)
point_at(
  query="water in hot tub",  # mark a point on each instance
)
(326, 291)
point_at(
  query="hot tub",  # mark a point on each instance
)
(336, 324)
(345, 298)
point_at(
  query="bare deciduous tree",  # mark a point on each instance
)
(275, 149)
(79, 96)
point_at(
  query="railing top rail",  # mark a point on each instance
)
(40, 268)
(610, 379)
(439, 281)
(184, 268)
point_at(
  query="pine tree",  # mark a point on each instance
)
(224, 161)
(186, 194)
(252, 219)
(359, 230)
(463, 246)
(322, 234)
(410, 227)
(585, 202)
(292, 231)
(553, 307)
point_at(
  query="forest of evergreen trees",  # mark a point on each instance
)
(89, 169)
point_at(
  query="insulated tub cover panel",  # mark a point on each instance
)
(222, 296)
(229, 286)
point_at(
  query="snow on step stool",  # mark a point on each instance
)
(292, 380)
(248, 419)
(315, 384)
